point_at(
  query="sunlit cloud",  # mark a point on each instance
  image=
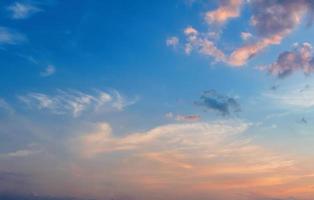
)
(227, 9)
(288, 62)
(272, 22)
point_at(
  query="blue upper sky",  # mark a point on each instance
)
(86, 85)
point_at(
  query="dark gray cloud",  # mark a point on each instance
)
(298, 59)
(222, 104)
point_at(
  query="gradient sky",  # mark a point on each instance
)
(159, 100)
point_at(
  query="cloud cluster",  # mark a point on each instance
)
(222, 104)
(75, 102)
(271, 20)
(10, 37)
(22, 10)
(299, 59)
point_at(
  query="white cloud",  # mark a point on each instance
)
(246, 36)
(11, 37)
(21, 153)
(172, 41)
(77, 102)
(22, 10)
(50, 70)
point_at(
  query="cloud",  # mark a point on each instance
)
(172, 41)
(21, 153)
(293, 97)
(183, 118)
(202, 44)
(278, 17)
(288, 62)
(22, 10)
(208, 158)
(228, 9)
(10, 37)
(214, 101)
(50, 70)
(246, 36)
(76, 102)
(271, 20)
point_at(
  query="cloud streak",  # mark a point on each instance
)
(76, 102)
(11, 37)
(22, 10)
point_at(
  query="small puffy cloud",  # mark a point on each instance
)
(246, 36)
(22, 10)
(76, 102)
(10, 37)
(299, 59)
(228, 9)
(172, 41)
(50, 70)
(222, 104)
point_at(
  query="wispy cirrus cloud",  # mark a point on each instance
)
(11, 37)
(21, 10)
(76, 102)
(293, 97)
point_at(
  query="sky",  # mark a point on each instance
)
(137, 100)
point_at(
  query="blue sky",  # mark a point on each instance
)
(141, 100)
